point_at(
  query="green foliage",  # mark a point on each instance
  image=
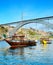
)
(4, 35)
(51, 35)
(3, 30)
(31, 32)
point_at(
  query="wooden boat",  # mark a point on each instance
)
(20, 43)
(45, 40)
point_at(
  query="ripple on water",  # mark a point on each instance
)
(35, 55)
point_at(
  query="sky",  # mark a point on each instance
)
(13, 10)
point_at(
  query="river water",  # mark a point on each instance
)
(34, 55)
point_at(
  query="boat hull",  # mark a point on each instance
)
(47, 41)
(23, 43)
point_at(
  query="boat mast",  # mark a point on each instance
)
(22, 16)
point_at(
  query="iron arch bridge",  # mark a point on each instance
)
(37, 20)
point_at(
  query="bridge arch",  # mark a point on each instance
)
(20, 24)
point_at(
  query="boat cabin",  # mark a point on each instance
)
(21, 38)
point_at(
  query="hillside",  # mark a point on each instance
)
(29, 33)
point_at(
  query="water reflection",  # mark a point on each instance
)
(18, 51)
(35, 55)
(44, 46)
(12, 57)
